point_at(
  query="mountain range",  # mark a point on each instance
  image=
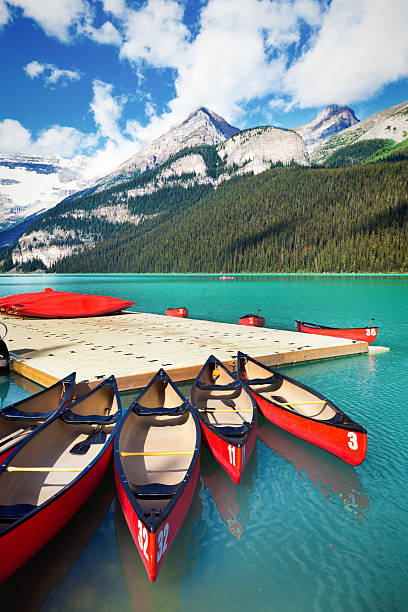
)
(198, 155)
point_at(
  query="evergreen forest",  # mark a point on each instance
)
(350, 218)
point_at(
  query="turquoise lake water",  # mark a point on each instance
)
(303, 530)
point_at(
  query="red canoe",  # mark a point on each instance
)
(227, 415)
(18, 420)
(48, 477)
(252, 320)
(177, 312)
(157, 462)
(49, 304)
(302, 411)
(362, 334)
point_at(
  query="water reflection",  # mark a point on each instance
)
(164, 594)
(29, 587)
(4, 388)
(230, 500)
(337, 481)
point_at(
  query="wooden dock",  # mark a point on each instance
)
(133, 346)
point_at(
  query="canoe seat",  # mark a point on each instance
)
(230, 387)
(264, 381)
(15, 413)
(9, 514)
(88, 419)
(154, 490)
(228, 430)
(159, 410)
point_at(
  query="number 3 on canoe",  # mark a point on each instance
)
(143, 538)
(162, 541)
(353, 444)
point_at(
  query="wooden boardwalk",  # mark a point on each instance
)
(133, 346)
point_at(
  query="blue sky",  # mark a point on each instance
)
(102, 77)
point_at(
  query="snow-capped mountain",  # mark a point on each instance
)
(30, 184)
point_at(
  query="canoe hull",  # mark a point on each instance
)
(51, 304)
(231, 456)
(252, 321)
(182, 313)
(21, 543)
(362, 334)
(153, 546)
(347, 444)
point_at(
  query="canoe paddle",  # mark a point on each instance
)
(97, 436)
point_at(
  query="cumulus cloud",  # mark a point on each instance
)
(239, 54)
(55, 17)
(14, 138)
(56, 140)
(107, 34)
(361, 47)
(114, 146)
(155, 34)
(52, 75)
(116, 7)
(4, 14)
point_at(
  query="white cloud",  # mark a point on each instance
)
(116, 7)
(34, 68)
(107, 110)
(238, 55)
(4, 14)
(56, 140)
(63, 141)
(56, 17)
(14, 138)
(156, 34)
(361, 47)
(52, 75)
(107, 34)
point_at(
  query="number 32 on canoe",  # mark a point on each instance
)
(232, 455)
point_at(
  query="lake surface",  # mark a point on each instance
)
(303, 530)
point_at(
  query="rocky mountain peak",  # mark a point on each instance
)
(201, 127)
(332, 119)
(205, 115)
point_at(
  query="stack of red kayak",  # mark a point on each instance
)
(49, 304)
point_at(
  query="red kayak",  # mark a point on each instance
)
(157, 462)
(49, 304)
(48, 477)
(177, 312)
(302, 411)
(227, 415)
(18, 420)
(252, 320)
(362, 334)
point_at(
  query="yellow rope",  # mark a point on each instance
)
(42, 469)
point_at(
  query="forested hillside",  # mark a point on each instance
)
(347, 219)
